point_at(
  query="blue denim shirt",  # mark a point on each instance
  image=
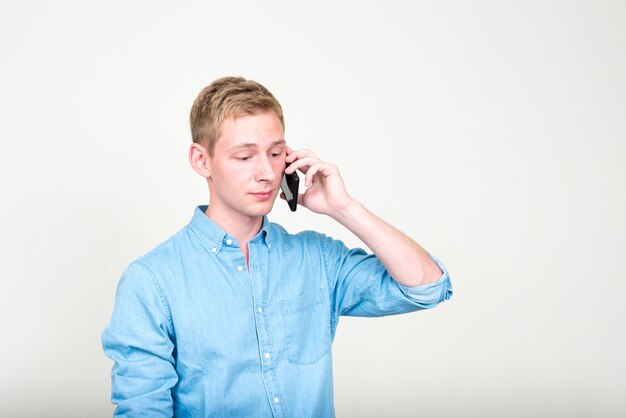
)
(195, 333)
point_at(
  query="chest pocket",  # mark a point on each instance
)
(307, 326)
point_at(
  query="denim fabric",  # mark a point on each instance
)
(195, 333)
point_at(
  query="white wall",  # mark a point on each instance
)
(492, 132)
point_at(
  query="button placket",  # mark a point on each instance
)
(264, 340)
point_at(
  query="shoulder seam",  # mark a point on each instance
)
(155, 282)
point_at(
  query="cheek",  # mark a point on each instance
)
(279, 167)
(233, 172)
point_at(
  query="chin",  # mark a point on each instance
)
(261, 210)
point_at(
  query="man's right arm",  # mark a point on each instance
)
(139, 340)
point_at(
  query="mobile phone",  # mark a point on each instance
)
(289, 185)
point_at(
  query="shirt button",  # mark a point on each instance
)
(239, 268)
(259, 309)
(269, 246)
(229, 241)
(266, 355)
(276, 400)
(213, 250)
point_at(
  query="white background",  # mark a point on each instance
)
(493, 132)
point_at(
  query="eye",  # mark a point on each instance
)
(275, 153)
(243, 158)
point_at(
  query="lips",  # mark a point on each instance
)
(264, 195)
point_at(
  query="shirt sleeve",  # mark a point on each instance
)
(361, 286)
(139, 340)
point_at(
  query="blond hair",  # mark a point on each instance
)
(225, 98)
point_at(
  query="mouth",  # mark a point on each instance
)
(264, 195)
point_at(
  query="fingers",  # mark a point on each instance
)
(296, 155)
(308, 163)
(323, 169)
(301, 164)
(300, 160)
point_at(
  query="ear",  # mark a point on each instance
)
(200, 160)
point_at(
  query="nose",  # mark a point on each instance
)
(265, 170)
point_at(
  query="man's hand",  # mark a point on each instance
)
(326, 192)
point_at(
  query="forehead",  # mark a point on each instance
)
(260, 128)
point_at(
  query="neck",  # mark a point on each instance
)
(243, 228)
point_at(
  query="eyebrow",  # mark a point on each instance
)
(254, 145)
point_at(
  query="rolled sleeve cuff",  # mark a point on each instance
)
(431, 294)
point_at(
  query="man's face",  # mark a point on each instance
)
(247, 166)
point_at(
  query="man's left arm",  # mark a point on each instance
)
(404, 259)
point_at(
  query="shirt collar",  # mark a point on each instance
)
(215, 237)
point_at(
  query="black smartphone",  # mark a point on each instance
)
(289, 185)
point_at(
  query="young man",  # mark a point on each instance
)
(235, 317)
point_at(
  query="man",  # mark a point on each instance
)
(235, 317)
